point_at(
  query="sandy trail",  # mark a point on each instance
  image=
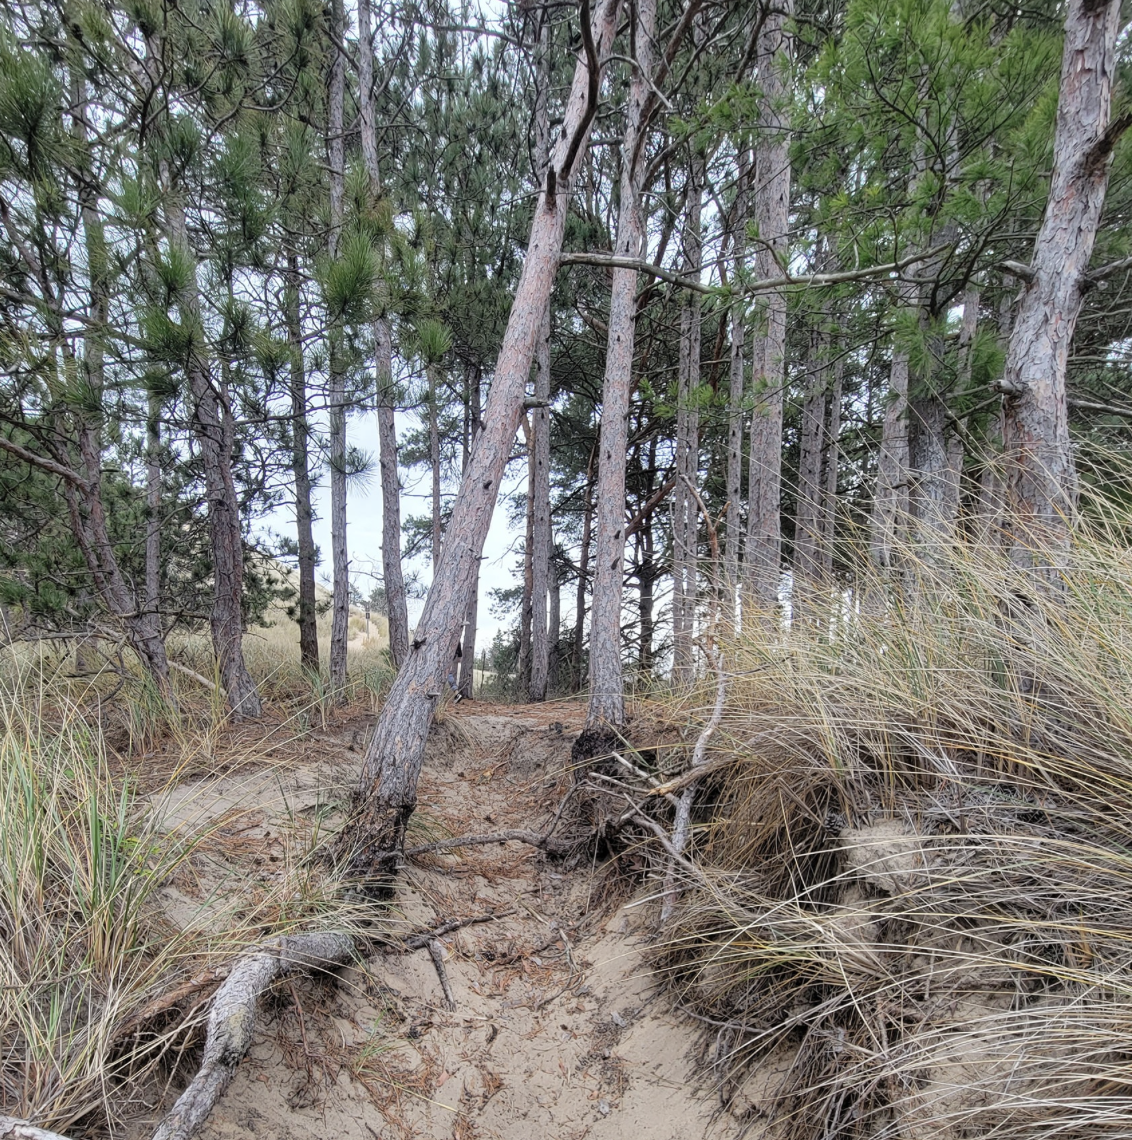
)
(558, 1030)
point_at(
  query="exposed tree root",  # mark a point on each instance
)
(420, 940)
(13, 1129)
(231, 1021)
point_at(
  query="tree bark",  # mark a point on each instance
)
(554, 623)
(607, 686)
(772, 215)
(386, 795)
(1040, 474)
(336, 158)
(300, 468)
(830, 467)
(467, 667)
(394, 579)
(434, 463)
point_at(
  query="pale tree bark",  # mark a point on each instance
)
(607, 687)
(685, 519)
(336, 415)
(736, 392)
(539, 470)
(524, 678)
(554, 623)
(1040, 473)
(808, 519)
(772, 214)
(392, 574)
(300, 470)
(467, 663)
(990, 503)
(387, 791)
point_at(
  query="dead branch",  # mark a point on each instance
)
(159, 1005)
(231, 1021)
(436, 953)
(421, 940)
(545, 842)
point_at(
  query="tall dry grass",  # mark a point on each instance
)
(86, 938)
(916, 917)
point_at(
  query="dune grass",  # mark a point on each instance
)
(918, 864)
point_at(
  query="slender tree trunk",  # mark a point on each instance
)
(583, 575)
(214, 429)
(153, 514)
(607, 689)
(434, 463)
(830, 467)
(772, 215)
(990, 506)
(554, 623)
(300, 468)
(646, 579)
(685, 517)
(525, 607)
(396, 602)
(807, 523)
(539, 473)
(1041, 479)
(890, 502)
(736, 391)
(336, 154)
(387, 792)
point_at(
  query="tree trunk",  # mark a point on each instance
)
(300, 468)
(434, 463)
(736, 391)
(539, 473)
(393, 576)
(1041, 479)
(471, 431)
(387, 791)
(583, 574)
(336, 156)
(607, 688)
(214, 429)
(525, 605)
(646, 578)
(890, 502)
(772, 215)
(685, 517)
(554, 624)
(807, 522)
(830, 467)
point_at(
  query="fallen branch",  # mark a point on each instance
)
(231, 1021)
(159, 1005)
(436, 953)
(545, 842)
(421, 940)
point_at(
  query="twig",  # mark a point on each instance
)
(436, 953)
(515, 835)
(421, 940)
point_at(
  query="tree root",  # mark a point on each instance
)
(231, 1021)
(420, 940)
(13, 1129)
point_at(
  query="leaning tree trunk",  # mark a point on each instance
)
(540, 429)
(395, 600)
(1041, 479)
(607, 688)
(300, 469)
(387, 792)
(772, 214)
(336, 156)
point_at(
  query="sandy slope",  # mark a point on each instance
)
(558, 1030)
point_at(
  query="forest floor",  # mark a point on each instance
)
(558, 1030)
